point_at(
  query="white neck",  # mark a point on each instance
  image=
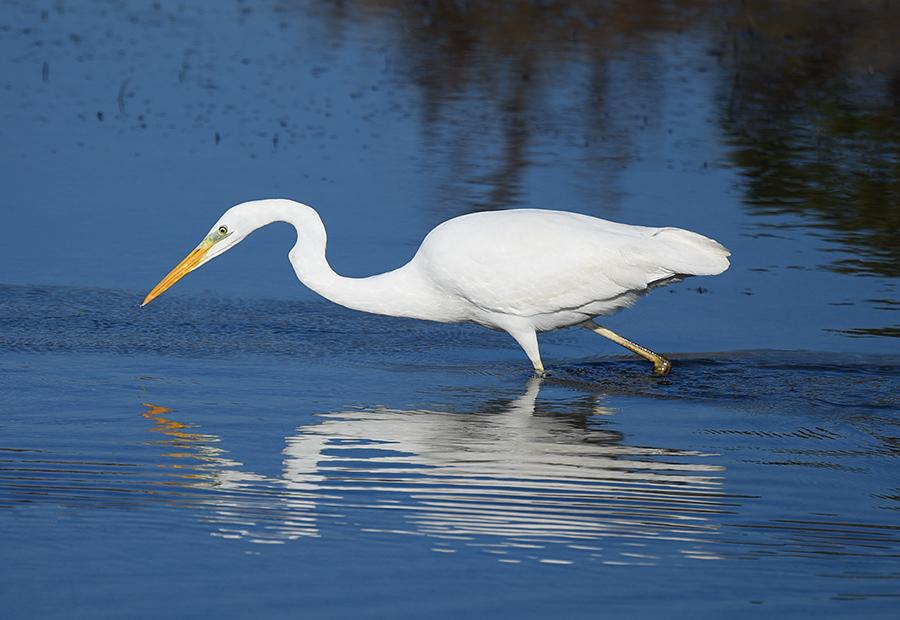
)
(402, 292)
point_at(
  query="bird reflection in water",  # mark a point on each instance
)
(511, 477)
(184, 444)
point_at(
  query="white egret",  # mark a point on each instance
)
(522, 271)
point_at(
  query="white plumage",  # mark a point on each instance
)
(522, 271)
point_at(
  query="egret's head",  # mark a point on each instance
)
(230, 230)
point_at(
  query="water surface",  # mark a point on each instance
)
(241, 447)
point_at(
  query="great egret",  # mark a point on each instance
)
(521, 271)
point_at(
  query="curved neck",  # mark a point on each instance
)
(401, 292)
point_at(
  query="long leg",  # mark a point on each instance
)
(661, 366)
(527, 339)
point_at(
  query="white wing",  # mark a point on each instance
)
(529, 262)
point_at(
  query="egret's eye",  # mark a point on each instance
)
(223, 230)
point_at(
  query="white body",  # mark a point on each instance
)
(522, 271)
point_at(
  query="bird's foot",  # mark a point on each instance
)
(661, 366)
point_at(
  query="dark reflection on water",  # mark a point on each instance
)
(506, 87)
(810, 97)
(813, 111)
(500, 80)
(809, 101)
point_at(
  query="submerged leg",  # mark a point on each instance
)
(661, 366)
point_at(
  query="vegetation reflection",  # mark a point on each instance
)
(500, 80)
(813, 111)
(809, 101)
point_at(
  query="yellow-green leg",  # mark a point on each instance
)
(661, 366)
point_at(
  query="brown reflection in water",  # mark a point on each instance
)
(524, 75)
(504, 82)
(812, 94)
(813, 111)
(809, 101)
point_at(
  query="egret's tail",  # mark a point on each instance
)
(687, 253)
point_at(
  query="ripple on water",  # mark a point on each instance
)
(519, 477)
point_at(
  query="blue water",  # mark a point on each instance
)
(243, 448)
